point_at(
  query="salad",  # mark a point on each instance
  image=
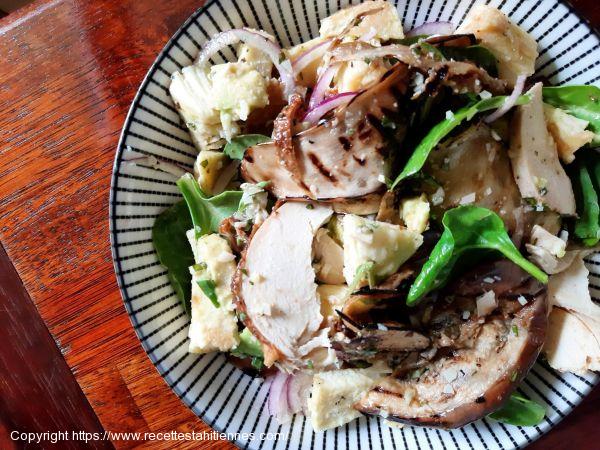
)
(386, 222)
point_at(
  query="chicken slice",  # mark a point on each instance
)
(275, 284)
(571, 345)
(535, 161)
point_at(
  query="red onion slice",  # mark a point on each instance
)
(307, 57)
(510, 101)
(298, 392)
(313, 115)
(429, 28)
(321, 87)
(277, 403)
(255, 39)
(136, 158)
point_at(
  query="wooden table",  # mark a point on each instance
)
(68, 72)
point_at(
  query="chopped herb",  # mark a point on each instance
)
(310, 364)
(245, 272)
(204, 162)
(515, 330)
(310, 206)
(240, 241)
(257, 362)
(263, 184)
(209, 289)
(514, 375)
(368, 60)
(242, 316)
(363, 271)
(200, 266)
(191, 126)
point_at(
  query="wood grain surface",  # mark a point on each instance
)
(69, 70)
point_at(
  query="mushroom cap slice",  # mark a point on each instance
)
(275, 283)
(467, 383)
(338, 158)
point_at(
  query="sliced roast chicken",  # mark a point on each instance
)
(275, 284)
(535, 160)
(341, 157)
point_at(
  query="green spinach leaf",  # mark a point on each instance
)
(582, 102)
(477, 54)
(466, 228)
(238, 145)
(587, 224)
(173, 249)
(207, 212)
(520, 411)
(442, 129)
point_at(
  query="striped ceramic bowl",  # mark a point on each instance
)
(220, 394)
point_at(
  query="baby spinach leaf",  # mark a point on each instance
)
(520, 411)
(209, 287)
(173, 249)
(442, 129)
(477, 54)
(587, 224)
(466, 228)
(207, 212)
(238, 145)
(582, 102)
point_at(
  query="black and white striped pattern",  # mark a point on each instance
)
(220, 394)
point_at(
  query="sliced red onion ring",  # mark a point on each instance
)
(277, 402)
(510, 101)
(257, 40)
(136, 158)
(429, 28)
(307, 57)
(313, 115)
(298, 392)
(321, 87)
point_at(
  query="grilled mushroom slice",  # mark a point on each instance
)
(464, 384)
(275, 283)
(338, 158)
